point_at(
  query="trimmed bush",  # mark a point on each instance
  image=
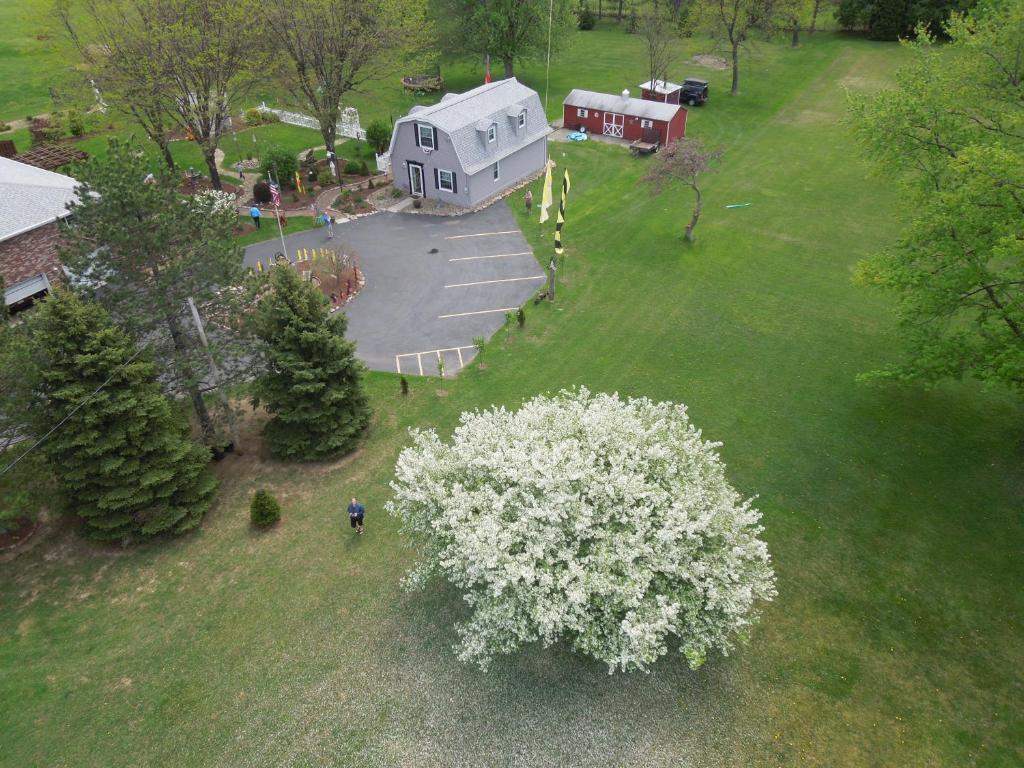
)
(261, 192)
(364, 169)
(585, 19)
(264, 509)
(352, 168)
(378, 136)
(76, 123)
(325, 178)
(281, 163)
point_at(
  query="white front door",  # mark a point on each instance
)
(613, 124)
(416, 179)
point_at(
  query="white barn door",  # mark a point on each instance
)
(613, 124)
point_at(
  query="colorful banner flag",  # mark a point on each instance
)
(566, 186)
(298, 183)
(545, 200)
(275, 195)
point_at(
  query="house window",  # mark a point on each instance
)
(492, 134)
(426, 136)
(495, 169)
(522, 120)
(646, 123)
(581, 112)
(446, 181)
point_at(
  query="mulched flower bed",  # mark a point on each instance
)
(338, 286)
(202, 184)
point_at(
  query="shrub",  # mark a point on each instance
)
(604, 523)
(364, 169)
(585, 19)
(396, 193)
(281, 163)
(252, 117)
(352, 168)
(325, 178)
(76, 123)
(633, 20)
(378, 136)
(264, 510)
(261, 192)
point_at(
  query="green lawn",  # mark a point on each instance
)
(268, 231)
(893, 514)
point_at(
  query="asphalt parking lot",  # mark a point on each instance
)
(417, 306)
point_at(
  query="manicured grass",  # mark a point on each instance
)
(292, 137)
(892, 513)
(269, 229)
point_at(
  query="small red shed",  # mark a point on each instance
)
(622, 117)
(660, 90)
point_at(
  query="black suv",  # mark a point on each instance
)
(695, 91)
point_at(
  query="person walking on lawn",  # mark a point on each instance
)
(355, 514)
(255, 213)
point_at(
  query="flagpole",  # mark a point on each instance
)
(277, 212)
(547, 71)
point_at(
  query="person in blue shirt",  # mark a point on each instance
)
(355, 514)
(255, 213)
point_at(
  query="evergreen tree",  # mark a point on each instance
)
(124, 457)
(313, 382)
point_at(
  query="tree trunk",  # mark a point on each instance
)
(211, 162)
(508, 61)
(205, 422)
(796, 33)
(735, 69)
(696, 215)
(618, 15)
(329, 133)
(814, 16)
(165, 149)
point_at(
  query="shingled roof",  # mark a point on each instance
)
(31, 197)
(623, 105)
(464, 116)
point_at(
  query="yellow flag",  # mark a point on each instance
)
(298, 183)
(259, 266)
(545, 200)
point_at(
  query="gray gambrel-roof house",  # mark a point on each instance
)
(471, 146)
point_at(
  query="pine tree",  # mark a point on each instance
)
(124, 458)
(313, 382)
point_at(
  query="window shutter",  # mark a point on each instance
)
(433, 134)
(455, 184)
(437, 179)
(416, 132)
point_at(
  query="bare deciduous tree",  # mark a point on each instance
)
(333, 46)
(732, 22)
(684, 160)
(658, 29)
(118, 45)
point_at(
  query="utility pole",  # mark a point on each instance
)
(215, 372)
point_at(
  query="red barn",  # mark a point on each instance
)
(622, 117)
(660, 90)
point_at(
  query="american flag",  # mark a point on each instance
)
(275, 195)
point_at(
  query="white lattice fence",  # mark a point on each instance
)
(347, 126)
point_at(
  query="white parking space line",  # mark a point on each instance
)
(481, 312)
(503, 280)
(495, 256)
(435, 352)
(483, 234)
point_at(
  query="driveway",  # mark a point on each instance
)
(418, 306)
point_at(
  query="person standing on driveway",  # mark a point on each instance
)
(356, 511)
(255, 213)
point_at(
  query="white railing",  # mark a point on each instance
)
(384, 162)
(347, 126)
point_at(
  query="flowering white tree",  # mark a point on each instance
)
(604, 523)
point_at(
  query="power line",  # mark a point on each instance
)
(71, 413)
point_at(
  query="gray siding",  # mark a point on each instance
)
(511, 170)
(470, 190)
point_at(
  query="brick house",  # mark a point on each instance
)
(32, 201)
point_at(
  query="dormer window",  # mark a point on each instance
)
(492, 133)
(426, 136)
(522, 119)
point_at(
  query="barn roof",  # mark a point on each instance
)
(606, 102)
(31, 197)
(463, 116)
(660, 86)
